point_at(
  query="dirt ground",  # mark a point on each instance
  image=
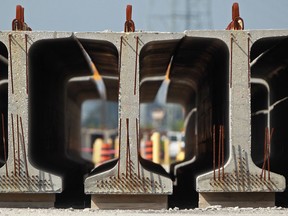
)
(216, 210)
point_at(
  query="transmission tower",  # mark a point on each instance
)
(183, 15)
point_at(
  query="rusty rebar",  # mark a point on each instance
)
(24, 148)
(231, 60)
(138, 146)
(128, 171)
(19, 13)
(214, 154)
(235, 11)
(237, 22)
(265, 152)
(18, 144)
(11, 68)
(269, 151)
(18, 24)
(119, 160)
(13, 142)
(129, 24)
(4, 143)
(136, 64)
(120, 57)
(26, 52)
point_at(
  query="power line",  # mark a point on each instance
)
(184, 15)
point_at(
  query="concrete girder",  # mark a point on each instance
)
(240, 173)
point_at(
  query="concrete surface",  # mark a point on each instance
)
(241, 174)
(215, 210)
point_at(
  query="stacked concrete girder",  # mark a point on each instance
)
(240, 174)
(130, 174)
(18, 175)
(203, 63)
(63, 59)
(269, 104)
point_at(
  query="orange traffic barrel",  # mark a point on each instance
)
(107, 152)
(148, 150)
(102, 151)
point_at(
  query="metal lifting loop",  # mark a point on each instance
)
(237, 22)
(18, 24)
(129, 24)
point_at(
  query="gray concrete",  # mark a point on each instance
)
(25, 177)
(216, 210)
(129, 176)
(241, 174)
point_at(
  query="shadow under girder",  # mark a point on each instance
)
(3, 104)
(198, 79)
(55, 108)
(269, 104)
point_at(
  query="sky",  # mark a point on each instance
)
(149, 15)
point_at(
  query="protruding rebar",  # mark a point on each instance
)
(237, 22)
(18, 145)
(11, 68)
(129, 24)
(128, 155)
(267, 147)
(136, 64)
(120, 134)
(138, 145)
(235, 11)
(26, 64)
(13, 141)
(269, 151)
(231, 60)
(264, 159)
(24, 149)
(18, 24)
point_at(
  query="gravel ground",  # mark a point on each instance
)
(275, 211)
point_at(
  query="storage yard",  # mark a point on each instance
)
(165, 123)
